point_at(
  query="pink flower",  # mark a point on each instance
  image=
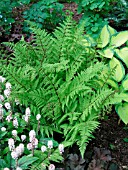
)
(7, 92)
(3, 129)
(23, 137)
(38, 116)
(14, 154)
(8, 85)
(32, 134)
(50, 144)
(29, 146)
(1, 98)
(14, 133)
(28, 112)
(61, 148)
(2, 79)
(11, 144)
(15, 122)
(8, 118)
(1, 113)
(51, 167)
(7, 105)
(43, 148)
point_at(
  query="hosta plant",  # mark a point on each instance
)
(56, 76)
(113, 45)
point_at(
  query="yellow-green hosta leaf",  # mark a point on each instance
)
(123, 55)
(119, 69)
(125, 83)
(119, 97)
(105, 36)
(111, 30)
(113, 84)
(108, 53)
(122, 110)
(119, 39)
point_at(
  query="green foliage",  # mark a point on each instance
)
(6, 16)
(93, 11)
(45, 13)
(26, 160)
(6, 13)
(118, 15)
(113, 45)
(57, 76)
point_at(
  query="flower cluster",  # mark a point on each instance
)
(1, 111)
(16, 151)
(50, 146)
(14, 119)
(7, 91)
(33, 140)
(27, 114)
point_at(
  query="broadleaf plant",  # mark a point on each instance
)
(57, 77)
(113, 46)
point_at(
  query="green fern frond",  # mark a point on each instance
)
(57, 76)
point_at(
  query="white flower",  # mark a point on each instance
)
(14, 154)
(38, 116)
(29, 146)
(2, 79)
(14, 133)
(26, 118)
(23, 137)
(19, 149)
(43, 148)
(51, 167)
(1, 98)
(32, 134)
(8, 118)
(3, 129)
(61, 148)
(6, 169)
(7, 105)
(28, 112)
(15, 122)
(1, 113)
(11, 144)
(8, 86)
(7, 92)
(1, 106)
(21, 145)
(18, 168)
(35, 142)
(50, 144)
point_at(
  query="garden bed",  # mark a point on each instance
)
(111, 136)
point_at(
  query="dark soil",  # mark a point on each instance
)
(111, 135)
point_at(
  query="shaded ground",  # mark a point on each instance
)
(110, 135)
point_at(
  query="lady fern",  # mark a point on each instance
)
(52, 76)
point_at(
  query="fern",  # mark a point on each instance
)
(55, 77)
